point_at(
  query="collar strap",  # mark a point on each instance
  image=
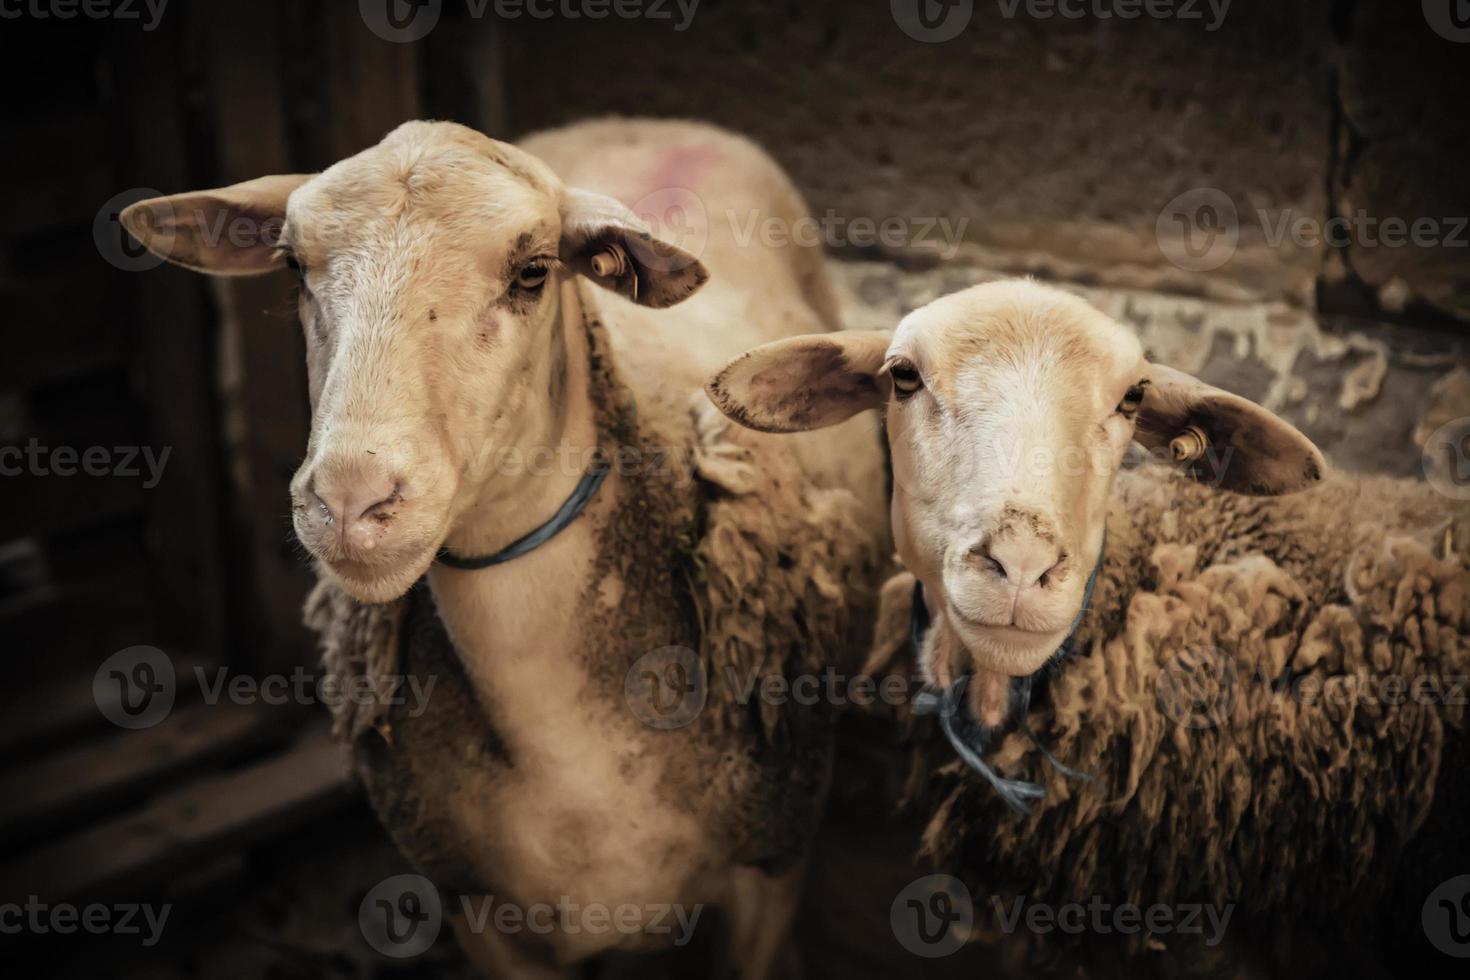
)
(969, 739)
(581, 496)
(1102, 549)
(966, 735)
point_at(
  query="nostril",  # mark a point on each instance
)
(982, 558)
(329, 512)
(383, 510)
(1050, 575)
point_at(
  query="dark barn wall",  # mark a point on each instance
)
(1403, 148)
(1060, 144)
(1062, 140)
(133, 598)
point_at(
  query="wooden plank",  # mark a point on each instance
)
(63, 627)
(464, 72)
(121, 765)
(63, 709)
(176, 338)
(374, 83)
(141, 851)
(49, 714)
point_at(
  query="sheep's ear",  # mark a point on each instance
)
(607, 243)
(1223, 440)
(804, 382)
(231, 231)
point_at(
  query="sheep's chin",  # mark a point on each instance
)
(1006, 649)
(379, 582)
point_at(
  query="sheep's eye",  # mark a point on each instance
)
(1131, 400)
(906, 378)
(532, 276)
(295, 264)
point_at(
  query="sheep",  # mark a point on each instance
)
(1264, 710)
(476, 400)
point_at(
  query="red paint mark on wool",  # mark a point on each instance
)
(682, 166)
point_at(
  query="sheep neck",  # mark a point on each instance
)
(552, 444)
(510, 623)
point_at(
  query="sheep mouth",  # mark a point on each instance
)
(1006, 649)
(1019, 635)
(383, 580)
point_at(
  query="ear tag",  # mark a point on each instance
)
(1189, 444)
(611, 263)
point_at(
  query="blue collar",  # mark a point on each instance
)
(586, 489)
(966, 735)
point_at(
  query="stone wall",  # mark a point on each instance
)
(1064, 143)
(1403, 153)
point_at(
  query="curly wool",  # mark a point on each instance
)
(786, 574)
(1228, 707)
(785, 581)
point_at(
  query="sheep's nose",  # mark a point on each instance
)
(1021, 559)
(358, 501)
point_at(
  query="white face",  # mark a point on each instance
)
(430, 268)
(1009, 407)
(1011, 410)
(428, 299)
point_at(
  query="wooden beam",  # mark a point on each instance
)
(88, 779)
(463, 68)
(72, 626)
(62, 710)
(136, 854)
(177, 349)
(374, 83)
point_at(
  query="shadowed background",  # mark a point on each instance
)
(1106, 154)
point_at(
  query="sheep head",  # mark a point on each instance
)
(431, 269)
(1009, 408)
